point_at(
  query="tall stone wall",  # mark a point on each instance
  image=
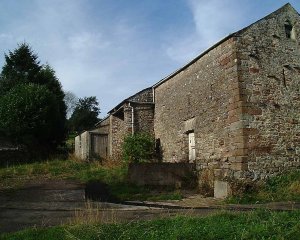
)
(198, 99)
(242, 101)
(269, 67)
(141, 107)
(144, 118)
(119, 129)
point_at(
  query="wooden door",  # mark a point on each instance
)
(192, 150)
(99, 145)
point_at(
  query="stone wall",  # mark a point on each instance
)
(269, 80)
(162, 174)
(143, 118)
(119, 129)
(197, 99)
(145, 95)
(141, 107)
(241, 99)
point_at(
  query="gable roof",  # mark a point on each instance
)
(127, 100)
(286, 7)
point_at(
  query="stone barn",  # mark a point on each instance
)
(134, 114)
(234, 110)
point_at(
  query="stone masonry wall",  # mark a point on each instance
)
(242, 100)
(269, 80)
(143, 111)
(145, 95)
(119, 129)
(198, 99)
(144, 118)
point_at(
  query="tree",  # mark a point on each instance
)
(46, 77)
(85, 114)
(22, 68)
(29, 115)
(70, 101)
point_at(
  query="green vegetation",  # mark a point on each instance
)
(27, 118)
(26, 112)
(70, 141)
(85, 114)
(115, 176)
(285, 187)
(254, 225)
(138, 148)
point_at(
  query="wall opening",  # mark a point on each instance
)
(289, 30)
(192, 149)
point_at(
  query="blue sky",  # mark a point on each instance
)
(114, 48)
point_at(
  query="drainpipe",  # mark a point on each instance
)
(153, 94)
(132, 119)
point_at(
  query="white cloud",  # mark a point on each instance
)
(113, 51)
(213, 20)
(87, 40)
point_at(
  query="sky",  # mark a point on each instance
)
(112, 49)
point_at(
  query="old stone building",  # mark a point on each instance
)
(234, 110)
(134, 114)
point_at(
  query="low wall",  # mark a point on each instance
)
(162, 174)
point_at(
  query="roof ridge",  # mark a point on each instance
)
(279, 10)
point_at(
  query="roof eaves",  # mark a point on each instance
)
(193, 61)
(126, 100)
(235, 34)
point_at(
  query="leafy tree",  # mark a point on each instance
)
(46, 77)
(85, 114)
(21, 68)
(70, 101)
(29, 115)
(138, 148)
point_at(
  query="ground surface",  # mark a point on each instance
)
(53, 202)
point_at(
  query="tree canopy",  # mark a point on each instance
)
(29, 114)
(70, 101)
(21, 66)
(34, 100)
(85, 114)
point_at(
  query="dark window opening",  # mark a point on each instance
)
(119, 113)
(289, 30)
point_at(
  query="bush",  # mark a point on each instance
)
(29, 116)
(138, 148)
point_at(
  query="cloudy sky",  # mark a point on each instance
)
(114, 48)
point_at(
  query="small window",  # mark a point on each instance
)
(289, 30)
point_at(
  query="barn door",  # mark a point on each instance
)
(192, 150)
(99, 145)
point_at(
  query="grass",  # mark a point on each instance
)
(114, 175)
(255, 225)
(285, 187)
(70, 142)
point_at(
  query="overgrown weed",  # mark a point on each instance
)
(284, 187)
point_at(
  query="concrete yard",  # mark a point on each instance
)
(49, 203)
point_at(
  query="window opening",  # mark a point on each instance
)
(289, 30)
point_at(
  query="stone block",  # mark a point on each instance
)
(221, 189)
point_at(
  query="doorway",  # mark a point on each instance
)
(192, 150)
